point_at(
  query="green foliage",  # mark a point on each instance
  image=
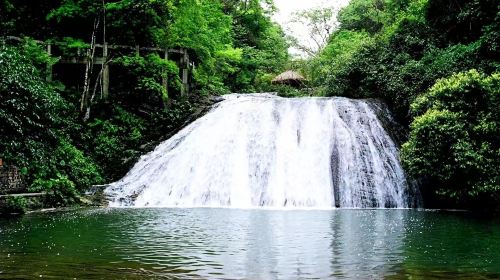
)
(209, 29)
(401, 59)
(6, 20)
(128, 22)
(143, 82)
(36, 54)
(165, 122)
(251, 20)
(455, 137)
(73, 47)
(114, 142)
(363, 15)
(335, 57)
(227, 60)
(61, 191)
(15, 204)
(201, 26)
(31, 110)
(76, 166)
(288, 91)
(263, 45)
(464, 20)
(22, 18)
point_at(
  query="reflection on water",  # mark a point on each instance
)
(367, 244)
(249, 244)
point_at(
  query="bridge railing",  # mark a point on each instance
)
(185, 64)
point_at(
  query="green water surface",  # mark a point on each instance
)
(249, 244)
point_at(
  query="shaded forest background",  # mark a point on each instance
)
(435, 62)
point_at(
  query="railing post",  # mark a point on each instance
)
(165, 76)
(105, 71)
(48, 78)
(185, 73)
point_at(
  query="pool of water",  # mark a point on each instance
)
(249, 244)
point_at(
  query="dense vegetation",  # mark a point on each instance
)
(454, 138)
(435, 62)
(234, 45)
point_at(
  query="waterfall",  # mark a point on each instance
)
(265, 151)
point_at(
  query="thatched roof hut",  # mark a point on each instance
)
(290, 78)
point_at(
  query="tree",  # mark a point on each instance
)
(455, 138)
(321, 23)
(364, 15)
(263, 44)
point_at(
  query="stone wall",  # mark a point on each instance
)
(11, 180)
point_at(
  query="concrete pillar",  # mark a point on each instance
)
(105, 71)
(48, 78)
(165, 76)
(185, 84)
(185, 73)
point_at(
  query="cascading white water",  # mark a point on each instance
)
(262, 150)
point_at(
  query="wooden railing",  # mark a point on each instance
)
(184, 62)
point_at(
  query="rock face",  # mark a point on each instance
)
(265, 151)
(11, 180)
(203, 105)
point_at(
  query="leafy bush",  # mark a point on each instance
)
(143, 81)
(363, 15)
(15, 204)
(114, 142)
(73, 47)
(33, 114)
(29, 112)
(60, 190)
(80, 169)
(455, 137)
(163, 122)
(289, 91)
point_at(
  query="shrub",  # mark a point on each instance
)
(33, 115)
(455, 138)
(143, 81)
(60, 190)
(29, 111)
(15, 204)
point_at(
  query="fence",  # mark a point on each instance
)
(184, 62)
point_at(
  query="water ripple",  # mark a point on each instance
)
(249, 244)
